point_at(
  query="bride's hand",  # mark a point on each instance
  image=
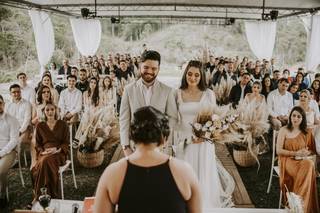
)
(197, 140)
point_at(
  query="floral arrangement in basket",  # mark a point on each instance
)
(223, 89)
(216, 125)
(95, 128)
(252, 124)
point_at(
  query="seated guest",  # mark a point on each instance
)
(53, 72)
(267, 86)
(315, 87)
(43, 97)
(97, 66)
(83, 82)
(108, 93)
(74, 71)
(280, 102)
(311, 115)
(239, 91)
(21, 110)
(293, 89)
(294, 143)
(257, 75)
(121, 181)
(9, 138)
(27, 92)
(286, 74)
(91, 98)
(299, 79)
(70, 102)
(65, 69)
(47, 81)
(219, 74)
(52, 147)
(276, 75)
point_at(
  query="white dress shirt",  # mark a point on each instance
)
(70, 101)
(279, 104)
(22, 111)
(9, 133)
(28, 94)
(147, 91)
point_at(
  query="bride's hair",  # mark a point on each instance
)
(197, 64)
(149, 126)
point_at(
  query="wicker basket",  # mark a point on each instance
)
(243, 158)
(90, 160)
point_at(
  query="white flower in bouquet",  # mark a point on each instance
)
(208, 124)
(217, 124)
(207, 135)
(225, 127)
(215, 117)
(204, 129)
(211, 128)
(197, 126)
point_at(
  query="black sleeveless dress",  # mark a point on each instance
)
(150, 190)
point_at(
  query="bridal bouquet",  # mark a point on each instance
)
(213, 127)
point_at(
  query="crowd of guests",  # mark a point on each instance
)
(37, 118)
(42, 114)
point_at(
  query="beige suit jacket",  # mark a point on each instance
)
(162, 99)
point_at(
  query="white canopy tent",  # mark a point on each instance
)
(239, 9)
(205, 10)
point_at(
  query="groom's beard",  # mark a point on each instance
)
(148, 77)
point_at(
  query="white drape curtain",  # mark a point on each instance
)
(261, 37)
(313, 49)
(87, 35)
(44, 36)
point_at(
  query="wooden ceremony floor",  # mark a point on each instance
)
(240, 195)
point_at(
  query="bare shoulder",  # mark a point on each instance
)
(283, 131)
(114, 170)
(181, 167)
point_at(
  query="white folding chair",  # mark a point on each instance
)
(20, 171)
(274, 168)
(67, 165)
(61, 170)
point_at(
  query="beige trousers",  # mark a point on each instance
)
(6, 162)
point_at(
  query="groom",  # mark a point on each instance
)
(147, 91)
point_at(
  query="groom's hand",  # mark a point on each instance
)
(128, 152)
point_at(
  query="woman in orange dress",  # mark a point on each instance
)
(295, 142)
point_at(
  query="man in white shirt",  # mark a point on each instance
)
(147, 91)
(9, 138)
(280, 103)
(70, 102)
(21, 110)
(28, 93)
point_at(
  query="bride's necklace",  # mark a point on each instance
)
(192, 95)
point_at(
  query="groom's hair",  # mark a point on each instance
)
(149, 126)
(151, 55)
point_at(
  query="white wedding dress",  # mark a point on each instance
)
(216, 184)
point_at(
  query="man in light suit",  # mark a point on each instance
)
(147, 91)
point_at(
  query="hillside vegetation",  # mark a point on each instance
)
(176, 43)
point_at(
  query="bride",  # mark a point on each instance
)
(215, 182)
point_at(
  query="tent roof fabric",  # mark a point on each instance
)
(201, 9)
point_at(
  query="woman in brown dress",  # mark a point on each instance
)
(294, 144)
(52, 146)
